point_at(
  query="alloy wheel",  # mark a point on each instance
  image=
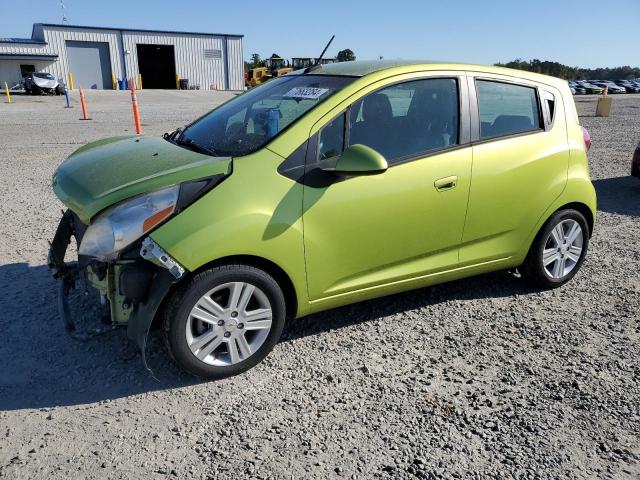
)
(563, 249)
(229, 323)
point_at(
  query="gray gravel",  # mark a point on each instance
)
(480, 378)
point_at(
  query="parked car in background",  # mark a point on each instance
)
(635, 162)
(629, 86)
(39, 83)
(590, 88)
(577, 89)
(333, 185)
(610, 86)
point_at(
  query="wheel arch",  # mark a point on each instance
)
(580, 207)
(270, 267)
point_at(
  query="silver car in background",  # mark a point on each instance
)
(42, 83)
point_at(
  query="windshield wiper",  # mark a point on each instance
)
(171, 136)
(196, 147)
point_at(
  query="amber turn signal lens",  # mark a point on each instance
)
(156, 218)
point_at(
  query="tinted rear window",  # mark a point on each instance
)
(506, 109)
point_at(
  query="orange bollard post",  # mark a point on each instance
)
(136, 113)
(83, 103)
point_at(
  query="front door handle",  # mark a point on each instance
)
(446, 183)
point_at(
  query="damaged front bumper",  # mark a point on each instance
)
(133, 286)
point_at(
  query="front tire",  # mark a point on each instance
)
(224, 321)
(558, 251)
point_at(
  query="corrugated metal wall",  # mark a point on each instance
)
(31, 48)
(10, 69)
(189, 55)
(226, 72)
(57, 36)
(235, 61)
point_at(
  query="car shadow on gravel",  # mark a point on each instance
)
(619, 195)
(491, 285)
(41, 366)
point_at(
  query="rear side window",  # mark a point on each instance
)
(506, 109)
(548, 107)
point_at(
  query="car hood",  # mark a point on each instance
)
(105, 172)
(45, 82)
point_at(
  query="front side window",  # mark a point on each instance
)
(407, 119)
(331, 140)
(249, 121)
(506, 109)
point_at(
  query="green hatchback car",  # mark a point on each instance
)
(324, 187)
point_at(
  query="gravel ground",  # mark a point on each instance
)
(480, 378)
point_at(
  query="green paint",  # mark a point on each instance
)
(370, 235)
(105, 172)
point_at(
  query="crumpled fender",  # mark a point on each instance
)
(142, 317)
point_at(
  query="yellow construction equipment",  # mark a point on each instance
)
(276, 66)
(298, 63)
(273, 67)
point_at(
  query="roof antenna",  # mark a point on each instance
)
(64, 16)
(319, 59)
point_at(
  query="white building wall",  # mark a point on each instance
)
(226, 72)
(26, 48)
(10, 70)
(189, 51)
(57, 36)
(236, 63)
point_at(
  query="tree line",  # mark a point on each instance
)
(573, 73)
(546, 67)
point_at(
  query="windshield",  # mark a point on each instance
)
(249, 121)
(46, 76)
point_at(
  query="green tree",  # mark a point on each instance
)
(559, 70)
(346, 55)
(254, 62)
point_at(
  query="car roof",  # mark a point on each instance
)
(361, 68)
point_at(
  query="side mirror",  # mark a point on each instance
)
(359, 160)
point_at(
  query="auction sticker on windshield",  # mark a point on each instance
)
(306, 92)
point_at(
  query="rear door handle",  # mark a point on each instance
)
(446, 183)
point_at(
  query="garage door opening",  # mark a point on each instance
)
(157, 65)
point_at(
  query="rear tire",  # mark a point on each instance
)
(224, 321)
(558, 251)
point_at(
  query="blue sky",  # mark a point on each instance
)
(585, 33)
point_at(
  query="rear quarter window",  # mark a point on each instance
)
(506, 109)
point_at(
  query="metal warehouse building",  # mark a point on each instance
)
(98, 57)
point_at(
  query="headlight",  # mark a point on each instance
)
(124, 223)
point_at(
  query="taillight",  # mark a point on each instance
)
(587, 139)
